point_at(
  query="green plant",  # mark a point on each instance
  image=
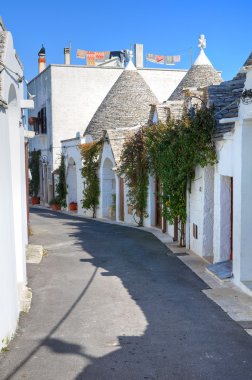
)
(61, 187)
(175, 149)
(5, 344)
(90, 153)
(34, 168)
(54, 201)
(135, 166)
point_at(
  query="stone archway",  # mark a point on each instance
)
(71, 181)
(108, 189)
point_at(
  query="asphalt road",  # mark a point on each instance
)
(112, 303)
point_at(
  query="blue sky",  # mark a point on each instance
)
(164, 27)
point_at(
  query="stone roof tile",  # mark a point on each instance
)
(226, 98)
(127, 104)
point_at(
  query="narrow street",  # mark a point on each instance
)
(112, 303)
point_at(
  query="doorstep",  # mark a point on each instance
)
(222, 270)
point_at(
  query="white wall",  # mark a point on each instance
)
(200, 211)
(13, 219)
(242, 263)
(71, 180)
(70, 148)
(234, 161)
(162, 82)
(222, 220)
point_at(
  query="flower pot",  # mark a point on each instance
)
(35, 200)
(73, 206)
(55, 207)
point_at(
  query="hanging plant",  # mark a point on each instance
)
(90, 153)
(61, 187)
(134, 165)
(175, 149)
(34, 168)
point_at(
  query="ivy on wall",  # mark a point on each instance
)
(171, 152)
(134, 165)
(90, 153)
(34, 168)
(175, 149)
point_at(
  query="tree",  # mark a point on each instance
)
(134, 164)
(34, 168)
(61, 187)
(90, 153)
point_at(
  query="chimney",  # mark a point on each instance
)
(67, 56)
(138, 55)
(41, 60)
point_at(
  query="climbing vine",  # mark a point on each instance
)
(175, 149)
(90, 153)
(61, 187)
(34, 168)
(135, 166)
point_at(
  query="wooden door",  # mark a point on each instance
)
(121, 199)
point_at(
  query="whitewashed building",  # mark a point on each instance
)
(126, 106)
(193, 86)
(13, 216)
(220, 203)
(67, 96)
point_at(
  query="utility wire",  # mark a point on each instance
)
(12, 71)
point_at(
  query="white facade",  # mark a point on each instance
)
(200, 213)
(221, 204)
(73, 165)
(71, 95)
(13, 216)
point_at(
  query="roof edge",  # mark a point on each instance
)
(2, 24)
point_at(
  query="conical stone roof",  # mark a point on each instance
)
(201, 74)
(226, 99)
(126, 105)
(248, 61)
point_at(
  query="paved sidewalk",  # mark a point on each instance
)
(113, 303)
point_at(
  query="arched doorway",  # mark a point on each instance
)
(108, 190)
(71, 180)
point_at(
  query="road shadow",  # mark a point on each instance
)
(187, 335)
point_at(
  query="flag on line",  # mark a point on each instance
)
(163, 59)
(81, 53)
(93, 56)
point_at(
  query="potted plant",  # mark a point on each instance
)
(34, 181)
(73, 206)
(55, 204)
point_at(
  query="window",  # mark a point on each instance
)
(195, 231)
(43, 120)
(40, 126)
